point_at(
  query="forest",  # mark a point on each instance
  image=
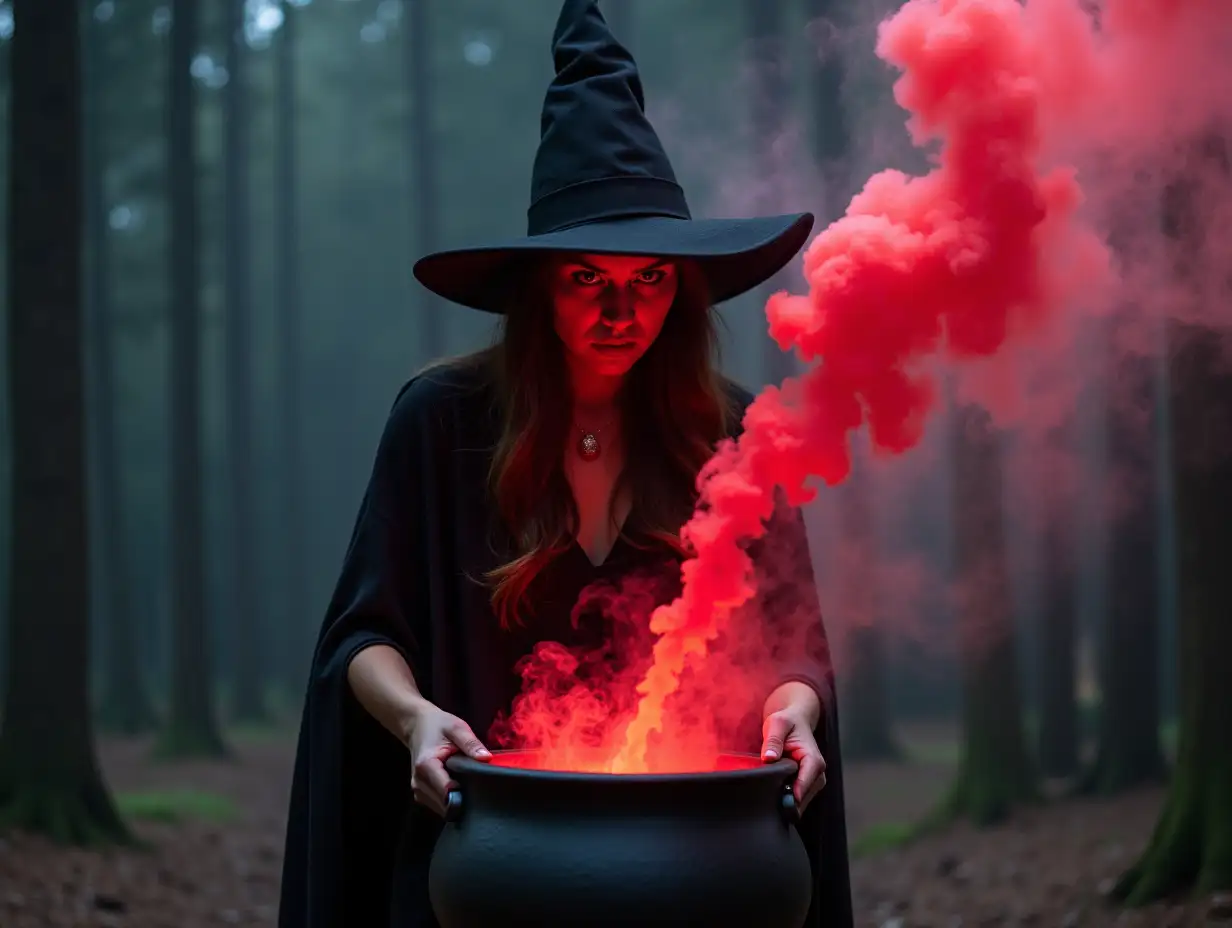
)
(212, 209)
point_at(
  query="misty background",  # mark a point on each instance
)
(260, 177)
(1003, 602)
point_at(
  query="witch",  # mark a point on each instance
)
(507, 483)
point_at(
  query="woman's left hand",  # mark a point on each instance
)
(787, 731)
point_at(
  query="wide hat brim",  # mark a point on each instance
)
(734, 255)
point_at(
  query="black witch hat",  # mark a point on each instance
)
(603, 184)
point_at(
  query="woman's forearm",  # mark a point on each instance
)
(797, 695)
(384, 685)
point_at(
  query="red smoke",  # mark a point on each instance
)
(955, 260)
(985, 250)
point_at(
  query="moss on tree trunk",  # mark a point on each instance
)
(53, 787)
(995, 772)
(49, 779)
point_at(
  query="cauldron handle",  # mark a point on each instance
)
(788, 806)
(453, 806)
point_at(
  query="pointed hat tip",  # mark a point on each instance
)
(573, 13)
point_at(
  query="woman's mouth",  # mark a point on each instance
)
(614, 347)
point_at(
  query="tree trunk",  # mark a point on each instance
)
(1191, 848)
(769, 101)
(247, 615)
(866, 729)
(125, 706)
(994, 772)
(298, 620)
(49, 776)
(421, 140)
(6, 496)
(1129, 747)
(831, 136)
(191, 726)
(867, 733)
(1192, 844)
(1058, 706)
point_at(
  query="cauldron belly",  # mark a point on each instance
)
(602, 870)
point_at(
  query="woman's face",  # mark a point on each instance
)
(609, 309)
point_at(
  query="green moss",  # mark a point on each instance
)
(884, 837)
(934, 752)
(65, 818)
(172, 806)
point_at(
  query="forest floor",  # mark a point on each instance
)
(214, 838)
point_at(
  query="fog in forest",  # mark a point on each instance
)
(259, 177)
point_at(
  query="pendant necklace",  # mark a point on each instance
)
(588, 447)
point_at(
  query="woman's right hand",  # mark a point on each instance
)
(435, 735)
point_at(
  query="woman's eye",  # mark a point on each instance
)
(585, 278)
(652, 276)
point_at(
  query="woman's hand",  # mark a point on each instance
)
(789, 730)
(433, 735)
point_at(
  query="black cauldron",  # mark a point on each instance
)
(554, 849)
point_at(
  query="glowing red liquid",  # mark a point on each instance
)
(534, 760)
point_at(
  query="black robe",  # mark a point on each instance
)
(357, 847)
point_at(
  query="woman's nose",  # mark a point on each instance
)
(616, 305)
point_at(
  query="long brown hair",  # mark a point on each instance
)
(674, 408)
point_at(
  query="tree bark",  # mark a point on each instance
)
(1129, 752)
(831, 135)
(299, 621)
(1192, 844)
(770, 92)
(866, 730)
(125, 706)
(191, 727)
(1191, 848)
(6, 488)
(247, 612)
(49, 777)
(995, 772)
(1058, 716)
(422, 145)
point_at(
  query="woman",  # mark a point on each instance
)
(509, 483)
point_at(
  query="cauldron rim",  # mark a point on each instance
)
(461, 764)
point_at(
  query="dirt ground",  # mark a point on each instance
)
(1048, 867)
